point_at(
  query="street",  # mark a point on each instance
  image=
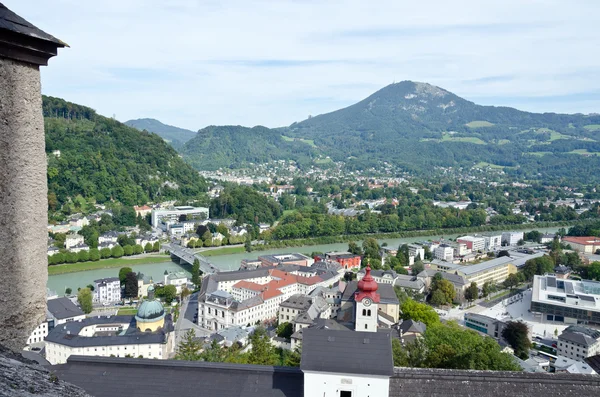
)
(186, 320)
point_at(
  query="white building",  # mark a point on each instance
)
(79, 247)
(108, 237)
(365, 370)
(492, 241)
(444, 253)
(73, 240)
(511, 238)
(177, 214)
(415, 250)
(178, 279)
(578, 342)
(472, 242)
(59, 311)
(107, 290)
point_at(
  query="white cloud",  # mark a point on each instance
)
(272, 62)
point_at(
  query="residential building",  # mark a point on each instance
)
(571, 366)
(459, 282)
(568, 301)
(460, 250)
(178, 279)
(444, 253)
(473, 243)
(59, 311)
(290, 259)
(293, 306)
(416, 250)
(108, 237)
(547, 238)
(107, 290)
(142, 210)
(78, 221)
(586, 245)
(409, 331)
(346, 259)
(492, 241)
(162, 217)
(577, 342)
(380, 276)
(413, 283)
(144, 282)
(511, 238)
(79, 247)
(148, 334)
(72, 240)
(494, 270)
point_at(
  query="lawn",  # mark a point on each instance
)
(309, 142)
(584, 152)
(479, 124)
(538, 154)
(223, 251)
(105, 264)
(592, 127)
(127, 311)
(554, 135)
(483, 164)
(503, 141)
(469, 139)
(323, 161)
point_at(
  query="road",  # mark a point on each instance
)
(186, 320)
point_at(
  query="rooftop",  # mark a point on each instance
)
(62, 308)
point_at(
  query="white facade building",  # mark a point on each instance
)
(472, 242)
(492, 241)
(107, 290)
(72, 240)
(415, 250)
(511, 238)
(578, 342)
(178, 279)
(444, 253)
(177, 214)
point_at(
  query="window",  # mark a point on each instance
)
(345, 393)
(364, 312)
(369, 312)
(366, 327)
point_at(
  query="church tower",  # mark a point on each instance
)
(366, 301)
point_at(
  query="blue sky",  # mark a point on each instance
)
(193, 63)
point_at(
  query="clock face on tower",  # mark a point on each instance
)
(366, 302)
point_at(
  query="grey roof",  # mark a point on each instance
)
(62, 308)
(241, 274)
(453, 278)
(110, 377)
(14, 23)
(254, 301)
(386, 292)
(365, 353)
(297, 301)
(411, 284)
(67, 333)
(581, 335)
(327, 266)
(106, 280)
(413, 326)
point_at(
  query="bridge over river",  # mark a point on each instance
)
(186, 256)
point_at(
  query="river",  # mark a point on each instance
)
(59, 282)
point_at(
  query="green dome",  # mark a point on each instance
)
(149, 311)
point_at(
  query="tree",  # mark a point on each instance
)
(68, 291)
(117, 251)
(169, 293)
(148, 247)
(262, 352)
(593, 271)
(138, 249)
(248, 243)
(83, 256)
(511, 281)
(189, 348)
(196, 272)
(128, 250)
(412, 310)
(417, 268)
(84, 298)
(516, 334)
(412, 354)
(94, 254)
(488, 288)
(371, 248)
(285, 330)
(123, 272)
(91, 287)
(354, 248)
(185, 292)
(105, 253)
(131, 285)
(503, 253)
(472, 292)
(446, 287)
(438, 298)
(293, 358)
(156, 246)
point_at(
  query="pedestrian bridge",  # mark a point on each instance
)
(186, 256)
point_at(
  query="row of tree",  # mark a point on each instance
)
(95, 254)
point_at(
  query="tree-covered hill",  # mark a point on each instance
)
(102, 159)
(174, 135)
(235, 146)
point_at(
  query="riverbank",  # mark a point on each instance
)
(105, 264)
(357, 237)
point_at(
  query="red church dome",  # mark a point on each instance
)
(367, 287)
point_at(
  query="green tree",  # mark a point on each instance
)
(131, 285)
(189, 348)
(417, 268)
(156, 246)
(262, 352)
(354, 248)
(83, 256)
(438, 298)
(248, 243)
(196, 272)
(138, 249)
(123, 272)
(472, 292)
(285, 330)
(511, 281)
(84, 298)
(593, 271)
(293, 358)
(128, 250)
(148, 247)
(71, 257)
(68, 291)
(117, 251)
(169, 293)
(488, 288)
(94, 254)
(412, 354)
(105, 253)
(516, 334)
(416, 311)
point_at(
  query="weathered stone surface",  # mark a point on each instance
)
(23, 203)
(21, 377)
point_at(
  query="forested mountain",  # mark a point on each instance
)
(101, 158)
(235, 146)
(174, 135)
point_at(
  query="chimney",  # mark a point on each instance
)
(23, 190)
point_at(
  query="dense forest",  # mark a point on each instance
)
(246, 205)
(102, 159)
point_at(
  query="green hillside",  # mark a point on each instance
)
(103, 159)
(174, 135)
(235, 146)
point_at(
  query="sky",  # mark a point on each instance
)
(193, 63)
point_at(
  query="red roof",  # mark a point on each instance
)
(249, 285)
(271, 293)
(142, 208)
(367, 287)
(585, 240)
